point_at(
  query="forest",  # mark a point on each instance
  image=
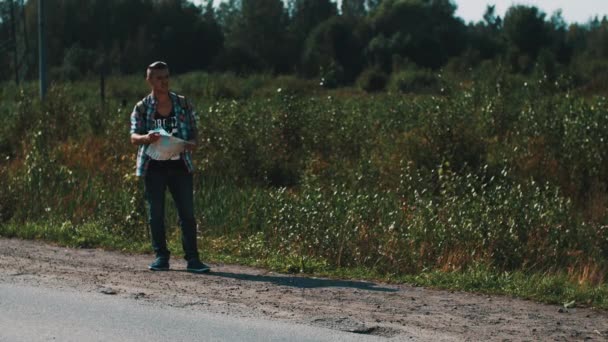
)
(372, 43)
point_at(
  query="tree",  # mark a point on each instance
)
(306, 15)
(372, 4)
(557, 32)
(526, 34)
(485, 37)
(212, 39)
(254, 35)
(353, 8)
(597, 39)
(423, 31)
(9, 41)
(335, 47)
(228, 14)
(179, 22)
(492, 21)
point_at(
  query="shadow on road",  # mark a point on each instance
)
(303, 282)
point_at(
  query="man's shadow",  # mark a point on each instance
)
(303, 282)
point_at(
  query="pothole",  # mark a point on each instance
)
(348, 324)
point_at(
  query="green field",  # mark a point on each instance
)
(494, 184)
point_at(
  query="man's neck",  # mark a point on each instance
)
(161, 97)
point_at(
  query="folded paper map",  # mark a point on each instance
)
(166, 147)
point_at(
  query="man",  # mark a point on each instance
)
(173, 113)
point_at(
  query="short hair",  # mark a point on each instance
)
(158, 65)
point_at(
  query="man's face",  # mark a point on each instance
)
(159, 80)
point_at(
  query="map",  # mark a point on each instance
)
(167, 146)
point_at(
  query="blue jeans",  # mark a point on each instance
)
(174, 176)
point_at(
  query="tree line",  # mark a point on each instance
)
(308, 38)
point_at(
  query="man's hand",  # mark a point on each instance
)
(153, 137)
(190, 147)
(144, 139)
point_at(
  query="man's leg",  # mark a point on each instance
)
(155, 185)
(181, 188)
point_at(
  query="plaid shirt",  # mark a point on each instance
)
(142, 121)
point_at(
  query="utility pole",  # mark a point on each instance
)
(14, 37)
(26, 59)
(42, 48)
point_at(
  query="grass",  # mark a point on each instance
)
(549, 287)
(480, 187)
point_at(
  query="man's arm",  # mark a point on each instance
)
(144, 139)
(139, 135)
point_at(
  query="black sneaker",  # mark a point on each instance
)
(195, 266)
(160, 264)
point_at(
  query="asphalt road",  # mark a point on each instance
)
(42, 314)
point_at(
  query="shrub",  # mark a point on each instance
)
(486, 174)
(414, 80)
(372, 80)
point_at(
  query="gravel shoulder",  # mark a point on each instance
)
(394, 312)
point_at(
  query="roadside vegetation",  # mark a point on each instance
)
(494, 184)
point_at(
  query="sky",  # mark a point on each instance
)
(579, 11)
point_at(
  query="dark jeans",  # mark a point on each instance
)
(174, 176)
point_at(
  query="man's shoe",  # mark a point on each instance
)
(195, 266)
(160, 264)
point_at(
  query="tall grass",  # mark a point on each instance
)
(500, 172)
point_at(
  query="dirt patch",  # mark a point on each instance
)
(399, 312)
